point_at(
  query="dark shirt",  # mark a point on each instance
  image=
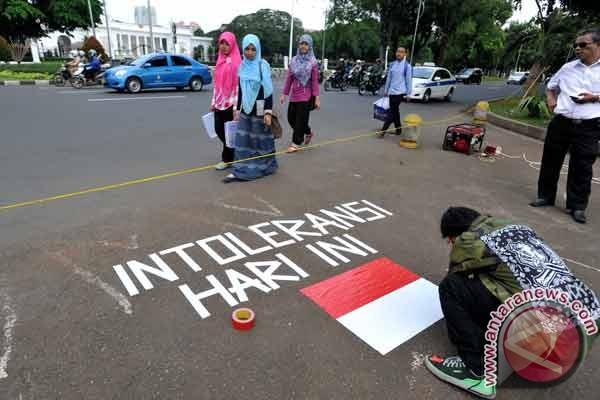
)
(261, 96)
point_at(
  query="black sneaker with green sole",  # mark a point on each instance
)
(454, 371)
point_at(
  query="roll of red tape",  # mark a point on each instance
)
(243, 319)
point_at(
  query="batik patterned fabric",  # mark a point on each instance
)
(254, 139)
(535, 265)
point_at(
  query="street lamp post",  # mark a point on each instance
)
(92, 18)
(412, 51)
(106, 18)
(150, 25)
(323, 45)
(291, 32)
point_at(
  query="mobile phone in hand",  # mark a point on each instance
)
(578, 100)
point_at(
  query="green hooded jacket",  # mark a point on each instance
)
(471, 256)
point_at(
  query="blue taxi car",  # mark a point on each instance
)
(159, 70)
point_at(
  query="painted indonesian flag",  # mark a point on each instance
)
(381, 302)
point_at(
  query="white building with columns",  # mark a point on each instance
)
(129, 39)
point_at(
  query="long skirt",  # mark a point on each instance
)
(254, 139)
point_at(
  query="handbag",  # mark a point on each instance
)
(276, 128)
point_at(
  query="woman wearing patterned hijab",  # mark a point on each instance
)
(302, 85)
(225, 91)
(254, 141)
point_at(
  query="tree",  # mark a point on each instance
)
(558, 21)
(199, 32)
(271, 26)
(4, 50)
(23, 19)
(391, 15)
(358, 40)
(469, 32)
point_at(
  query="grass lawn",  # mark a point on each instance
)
(509, 108)
(47, 67)
(7, 75)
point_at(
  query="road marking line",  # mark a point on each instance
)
(75, 91)
(11, 319)
(251, 210)
(95, 280)
(111, 291)
(139, 98)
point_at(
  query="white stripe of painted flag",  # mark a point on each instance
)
(381, 302)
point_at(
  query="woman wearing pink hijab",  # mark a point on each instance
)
(225, 91)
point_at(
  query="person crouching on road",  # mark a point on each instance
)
(302, 85)
(398, 85)
(254, 139)
(225, 91)
(491, 260)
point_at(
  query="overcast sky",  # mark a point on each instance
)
(210, 14)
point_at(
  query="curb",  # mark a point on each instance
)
(26, 83)
(531, 131)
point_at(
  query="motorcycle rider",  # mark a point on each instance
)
(93, 67)
(73, 64)
(378, 68)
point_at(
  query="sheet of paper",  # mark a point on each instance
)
(209, 124)
(231, 128)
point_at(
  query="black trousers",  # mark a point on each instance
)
(222, 116)
(467, 305)
(395, 100)
(581, 141)
(298, 118)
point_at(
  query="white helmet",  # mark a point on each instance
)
(92, 53)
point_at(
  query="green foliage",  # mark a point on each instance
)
(469, 32)
(23, 19)
(8, 75)
(509, 108)
(199, 32)
(358, 40)
(4, 50)
(47, 67)
(271, 26)
(536, 107)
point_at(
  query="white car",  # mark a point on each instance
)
(517, 77)
(432, 82)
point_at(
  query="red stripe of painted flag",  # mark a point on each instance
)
(353, 289)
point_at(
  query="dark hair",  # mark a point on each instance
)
(457, 220)
(595, 32)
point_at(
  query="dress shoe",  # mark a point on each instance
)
(541, 203)
(579, 216)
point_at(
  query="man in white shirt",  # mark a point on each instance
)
(573, 94)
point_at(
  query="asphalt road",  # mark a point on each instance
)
(72, 331)
(61, 140)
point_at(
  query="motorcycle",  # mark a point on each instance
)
(371, 82)
(62, 76)
(336, 81)
(355, 76)
(79, 79)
